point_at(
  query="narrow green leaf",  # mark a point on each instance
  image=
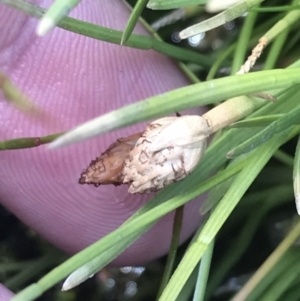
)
(256, 122)
(228, 15)
(181, 99)
(177, 225)
(203, 273)
(270, 262)
(296, 176)
(275, 127)
(284, 158)
(267, 199)
(287, 262)
(95, 265)
(277, 290)
(282, 25)
(254, 165)
(133, 19)
(15, 96)
(27, 142)
(272, 9)
(243, 42)
(114, 36)
(58, 10)
(172, 4)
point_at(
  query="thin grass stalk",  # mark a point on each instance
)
(280, 286)
(243, 42)
(113, 36)
(57, 11)
(169, 267)
(254, 165)
(268, 264)
(296, 176)
(287, 262)
(203, 273)
(27, 142)
(284, 158)
(133, 19)
(187, 71)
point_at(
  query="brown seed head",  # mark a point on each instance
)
(107, 169)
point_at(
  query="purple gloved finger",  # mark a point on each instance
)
(5, 294)
(73, 79)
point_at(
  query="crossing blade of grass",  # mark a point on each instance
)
(243, 42)
(256, 122)
(283, 24)
(180, 99)
(90, 268)
(177, 225)
(58, 10)
(172, 4)
(15, 96)
(296, 176)
(133, 19)
(228, 15)
(254, 165)
(269, 198)
(27, 142)
(204, 268)
(287, 262)
(277, 290)
(269, 263)
(114, 36)
(283, 123)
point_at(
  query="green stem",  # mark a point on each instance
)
(268, 264)
(243, 42)
(133, 19)
(113, 36)
(27, 142)
(173, 249)
(204, 268)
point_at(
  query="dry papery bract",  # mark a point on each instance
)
(167, 151)
(107, 168)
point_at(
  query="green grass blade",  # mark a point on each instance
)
(172, 4)
(257, 121)
(177, 225)
(114, 36)
(296, 176)
(90, 268)
(291, 257)
(278, 288)
(243, 42)
(270, 262)
(58, 10)
(228, 15)
(267, 199)
(283, 24)
(203, 273)
(27, 142)
(180, 99)
(272, 9)
(254, 165)
(133, 19)
(275, 127)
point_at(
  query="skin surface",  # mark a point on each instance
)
(5, 294)
(72, 79)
